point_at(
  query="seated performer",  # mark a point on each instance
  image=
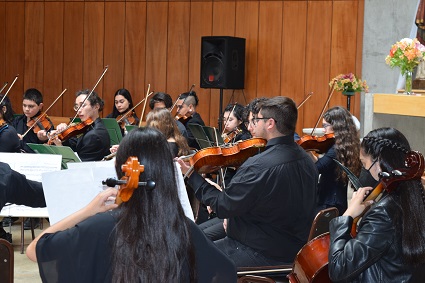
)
(9, 140)
(15, 188)
(270, 202)
(186, 113)
(8, 113)
(94, 143)
(234, 124)
(122, 104)
(389, 245)
(332, 190)
(163, 100)
(32, 106)
(146, 239)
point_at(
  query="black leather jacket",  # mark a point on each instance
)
(374, 255)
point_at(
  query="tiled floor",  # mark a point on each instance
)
(26, 271)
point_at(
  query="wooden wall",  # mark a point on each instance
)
(293, 47)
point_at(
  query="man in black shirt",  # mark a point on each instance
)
(271, 199)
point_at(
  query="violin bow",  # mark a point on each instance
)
(10, 87)
(305, 99)
(228, 117)
(324, 106)
(353, 178)
(41, 115)
(144, 106)
(5, 84)
(134, 107)
(87, 97)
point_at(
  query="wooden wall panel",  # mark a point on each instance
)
(294, 43)
(15, 50)
(247, 27)
(93, 52)
(73, 30)
(53, 56)
(223, 25)
(135, 54)
(201, 15)
(178, 48)
(293, 47)
(34, 44)
(269, 49)
(113, 52)
(343, 50)
(318, 59)
(156, 46)
(2, 46)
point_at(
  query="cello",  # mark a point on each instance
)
(311, 262)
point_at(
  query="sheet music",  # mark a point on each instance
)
(32, 165)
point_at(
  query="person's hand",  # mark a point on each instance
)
(102, 202)
(184, 166)
(225, 224)
(423, 180)
(114, 148)
(42, 135)
(357, 205)
(61, 127)
(313, 156)
(209, 209)
(214, 184)
(20, 136)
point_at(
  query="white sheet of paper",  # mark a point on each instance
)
(70, 190)
(32, 165)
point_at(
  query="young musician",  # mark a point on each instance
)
(32, 106)
(16, 188)
(186, 112)
(93, 144)
(234, 124)
(163, 100)
(9, 140)
(270, 202)
(161, 119)
(122, 104)
(146, 239)
(6, 106)
(332, 190)
(391, 235)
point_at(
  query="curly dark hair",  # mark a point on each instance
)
(347, 140)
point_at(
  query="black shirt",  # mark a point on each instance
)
(271, 200)
(20, 124)
(94, 144)
(195, 119)
(9, 140)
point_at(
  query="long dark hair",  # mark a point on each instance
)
(153, 242)
(347, 140)
(8, 115)
(124, 92)
(389, 147)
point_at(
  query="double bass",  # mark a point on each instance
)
(311, 262)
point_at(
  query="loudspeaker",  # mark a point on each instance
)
(222, 62)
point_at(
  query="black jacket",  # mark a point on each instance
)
(374, 255)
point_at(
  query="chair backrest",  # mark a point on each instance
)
(6, 262)
(321, 222)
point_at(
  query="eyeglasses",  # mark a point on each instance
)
(81, 106)
(254, 121)
(325, 125)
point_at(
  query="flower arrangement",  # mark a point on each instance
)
(406, 54)
(348, 83)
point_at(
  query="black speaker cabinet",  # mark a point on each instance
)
(222, 62)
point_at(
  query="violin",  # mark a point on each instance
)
(210, 159)
(311, 262)
(130, 181)
(40, 122)
(181, 118)
(126, 119)
(71, 131)
(230, 136)
(317, 144)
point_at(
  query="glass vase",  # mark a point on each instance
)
(408, 87)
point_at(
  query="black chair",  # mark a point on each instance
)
(6, 262)
(278, 273)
